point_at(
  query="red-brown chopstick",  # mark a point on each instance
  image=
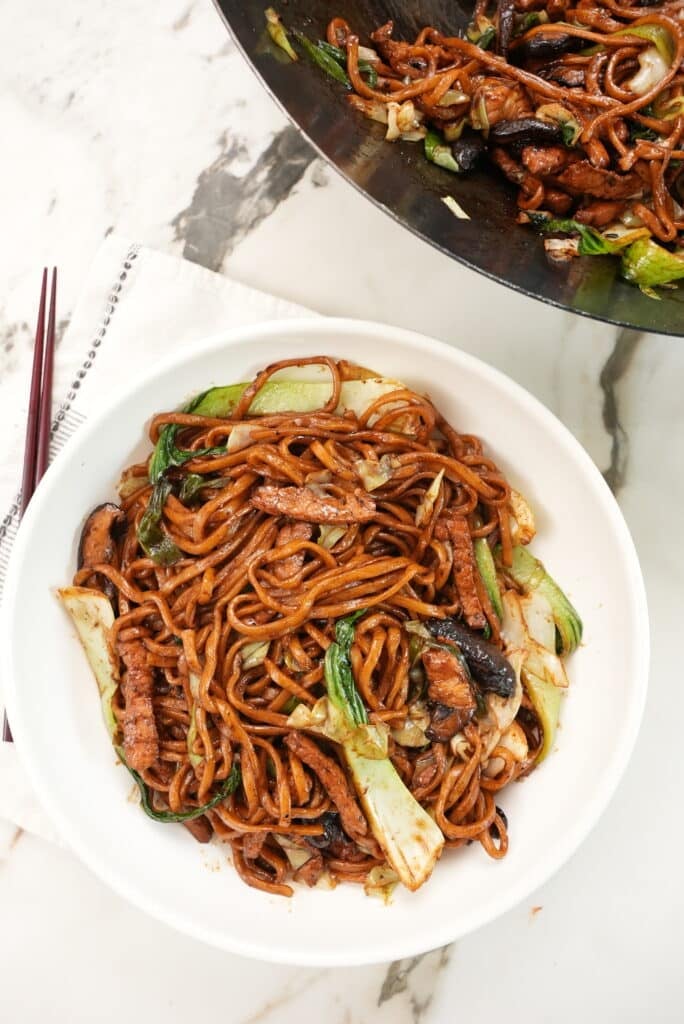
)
(37, 445)
(45, 417)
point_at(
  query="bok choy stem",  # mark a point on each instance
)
(411, 840)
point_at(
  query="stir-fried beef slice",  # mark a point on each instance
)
(302, 504)
(334, 780)
(581, 178)
(455, 529)
(200, 829)
(141, 740)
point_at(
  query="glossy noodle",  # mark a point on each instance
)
(314, 609)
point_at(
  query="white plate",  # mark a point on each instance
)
(55, 714)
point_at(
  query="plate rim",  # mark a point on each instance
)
(547, 866)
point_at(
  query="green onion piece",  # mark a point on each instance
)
(278, 33)
(481, 32)
(324, 61)
(227, 788)
(154, 541)
(340, 55)
(290, 704)
(455, 207)
(523, 22)
(439, 153)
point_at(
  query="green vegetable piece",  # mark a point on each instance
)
(323, 59)
(340, 55)
(192, 484)
(93, 616)
(485, 563)
(569, 134)
(439, 153)
(647, 264)
(523, 22)
(410, 838)
(278, 33)
(338, 672)
(530, 574)
(154, 541)
(637, 131)
(166, 454)
(228, 787)
(656, 34)
(286, 395)
(546, 699)
(482, 33)
(591, 242)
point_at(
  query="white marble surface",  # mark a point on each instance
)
(142, 118)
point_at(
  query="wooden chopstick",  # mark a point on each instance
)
(45, 418)
(31, 442)
(37, 445)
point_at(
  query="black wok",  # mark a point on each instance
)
(405, 185)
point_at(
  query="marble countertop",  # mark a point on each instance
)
(142, 118)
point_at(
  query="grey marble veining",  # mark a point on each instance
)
(225, 207)
(615, 368)
(154, 127)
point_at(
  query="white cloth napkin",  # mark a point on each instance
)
(136, 303)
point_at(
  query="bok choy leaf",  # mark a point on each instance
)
(228, 786)
(529, 573)
(154, 541)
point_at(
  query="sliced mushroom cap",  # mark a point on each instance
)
(97, 543)
(525, 131)
(468, 151)
(449, 691)
(491, 670)
(446, 722)
(506, 14)
(548, 44)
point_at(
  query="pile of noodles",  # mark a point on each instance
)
(196, 617)
(611, 69)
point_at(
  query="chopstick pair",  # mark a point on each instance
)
(37, 444)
